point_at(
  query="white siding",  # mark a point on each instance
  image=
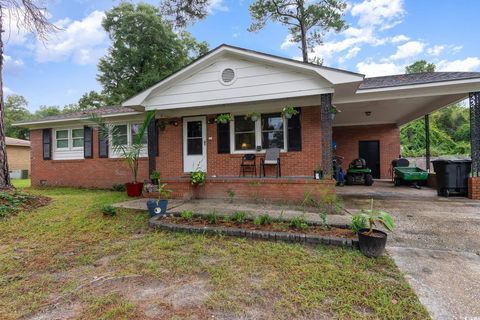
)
(67, 154)
(253, 81)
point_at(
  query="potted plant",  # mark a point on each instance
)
(289, 111)
(254, 116)
(198, 177)
(333, 112)
(154, 176)
(372, 241)
(223, 118)
(130, 153)
(157, 207)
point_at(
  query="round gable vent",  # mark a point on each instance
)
(228, 75)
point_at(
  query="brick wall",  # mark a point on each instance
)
(268, 189)
(474, 188)
(347, 139)
(88, 173)
(103, 173)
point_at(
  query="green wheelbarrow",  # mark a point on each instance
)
(409, 175)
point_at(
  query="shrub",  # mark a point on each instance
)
(109, 210)
(198, 177)
(263, 220)
(239, 216)
(230, 194)
(118, 187)
(298, 223)
(186, 215)
(212, 217)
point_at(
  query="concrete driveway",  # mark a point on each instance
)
(436, 244)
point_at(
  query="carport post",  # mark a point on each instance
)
(326, 134)
(475, 132)
(427, 142)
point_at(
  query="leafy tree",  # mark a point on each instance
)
(92, 100)
(144, 50)
(47, 111)
(420, 66)
(180, 13)
(307, 21)
(30, 18)
(16, 110)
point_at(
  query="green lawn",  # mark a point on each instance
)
(21, 183)
(69, 261)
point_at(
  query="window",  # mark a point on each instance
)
(269, 131)
(272, 131)
(68, 139)
(77, 138)
(244, 133)
(61, 137)
(124, 135)
(120, 135)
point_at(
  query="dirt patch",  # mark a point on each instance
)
(153, 299)
(12, 202)
(275, 226)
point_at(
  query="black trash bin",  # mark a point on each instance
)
(452, 176)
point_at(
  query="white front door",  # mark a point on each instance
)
(194, 144)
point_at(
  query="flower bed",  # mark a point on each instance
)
(276, 230)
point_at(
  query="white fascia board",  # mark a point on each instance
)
(357, 124)
(413, 91)
(56, 121)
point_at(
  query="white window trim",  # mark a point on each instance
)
(112, 154)
(258, 135)
(69, 139)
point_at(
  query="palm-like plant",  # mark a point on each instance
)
(130, 153)
(369, 218)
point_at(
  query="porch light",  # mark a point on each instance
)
(368, 113)
(174, 123)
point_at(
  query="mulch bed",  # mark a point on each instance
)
(12, 202)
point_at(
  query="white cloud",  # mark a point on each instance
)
(350, 54)
(287, 43)
(409, 49)
(399, 38)
(217, 5)
(11, 65)
(467, 64)
(436, 50)
(83, 41)
(372, 69)
(7, 91)
(14, 34)
(382, 13)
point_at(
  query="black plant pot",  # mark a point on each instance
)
(154, 182)
(372, 245)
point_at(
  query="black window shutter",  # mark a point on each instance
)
(87, 142)
(47, 144)
(152, 134)
(102, 146)
(295, 132)
(223, 137)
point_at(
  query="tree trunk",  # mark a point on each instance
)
(5, 182)
(304, 43)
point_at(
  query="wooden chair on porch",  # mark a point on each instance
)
(249, 164)
(272, 158)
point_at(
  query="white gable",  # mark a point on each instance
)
(252, 81)
(258, 77)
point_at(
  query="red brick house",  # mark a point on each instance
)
(67, 151)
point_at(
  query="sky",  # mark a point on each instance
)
(383, 37)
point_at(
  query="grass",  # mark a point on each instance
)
(53, 255)
(21, 183)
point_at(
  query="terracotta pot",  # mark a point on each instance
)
(134, 189)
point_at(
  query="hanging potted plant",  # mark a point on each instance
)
(159, 207)
(372, 241)
(333, 112)
(154, 176)
(254, 116)
(289, 111)
(223, 118)
(130, 153)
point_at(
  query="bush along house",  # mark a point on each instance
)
(232, 102)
